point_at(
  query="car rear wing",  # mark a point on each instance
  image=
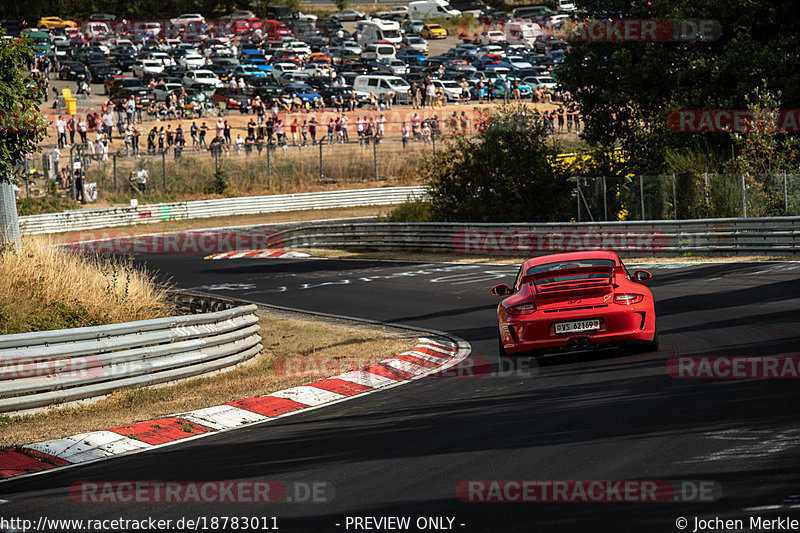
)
(572, 284)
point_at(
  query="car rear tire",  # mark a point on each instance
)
(501, 350)
(650, 346)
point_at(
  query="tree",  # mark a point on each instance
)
(765, 152)
(21, 125)
(504, 174)
(626, 90)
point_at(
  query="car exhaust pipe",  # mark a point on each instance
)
(579, 343)
(573, 344)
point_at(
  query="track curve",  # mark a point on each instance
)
(403, 452)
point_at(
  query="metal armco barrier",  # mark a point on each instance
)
(50, 367)
(87, 219)
(729, 236)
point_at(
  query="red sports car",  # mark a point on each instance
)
(575, 301)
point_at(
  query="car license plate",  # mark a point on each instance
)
(577, 326)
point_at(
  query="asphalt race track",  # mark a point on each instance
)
(593, 416)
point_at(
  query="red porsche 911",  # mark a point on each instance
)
(575, 301)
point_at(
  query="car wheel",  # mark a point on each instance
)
(650, 346)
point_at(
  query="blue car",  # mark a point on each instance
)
(248, 72)
(500, 88)
(306, 93)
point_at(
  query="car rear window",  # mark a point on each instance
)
(560, 265)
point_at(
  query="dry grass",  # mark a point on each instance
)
(295, 171)
(44, 287)
(317, 349)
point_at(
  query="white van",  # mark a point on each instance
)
(421, 9)
(524, 33)
(376, 51)
(376, 30)
(566, 6)
(383, 85)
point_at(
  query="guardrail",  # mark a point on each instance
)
(87, 219)
(725, 235)
(50, 367)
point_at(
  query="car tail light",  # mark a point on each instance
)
(628, 299)
(522, 309)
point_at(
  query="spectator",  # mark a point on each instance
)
(304, 132)
(312, 129)
(151, 140)
(61, 130)
(239, 144)
(293, 129)
(82, 129)
(202, 135)
(141, 180)
(331, 126)
(227, 133)
(343, 123)
(360, 130)
(55, 155)
(404, 132)
(249, 142)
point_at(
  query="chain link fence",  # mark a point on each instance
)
(682, 197)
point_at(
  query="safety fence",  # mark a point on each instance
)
(772, 235)
(50, 367)
(86, 219)
(686, 196)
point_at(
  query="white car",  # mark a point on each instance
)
(162, 57)
(161, 90)
(415, 42)
(414, 26)
(192, 60)
(393, 11)
(450, 88)
(201, 76)
(319, 69)
(492, 36)
(280, 68)
(188, 18)
(537, 82)
(393, 66)
(147, 66)
(308, 18)
(299, 46)
(518, 62)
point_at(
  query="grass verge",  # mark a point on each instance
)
(295, 352)
(46, 288)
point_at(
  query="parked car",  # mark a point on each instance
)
(433, 31)
(51, 23)
(73, 70)
(202, 76)
(349, 14)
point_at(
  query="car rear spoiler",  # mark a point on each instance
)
(563, 285)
